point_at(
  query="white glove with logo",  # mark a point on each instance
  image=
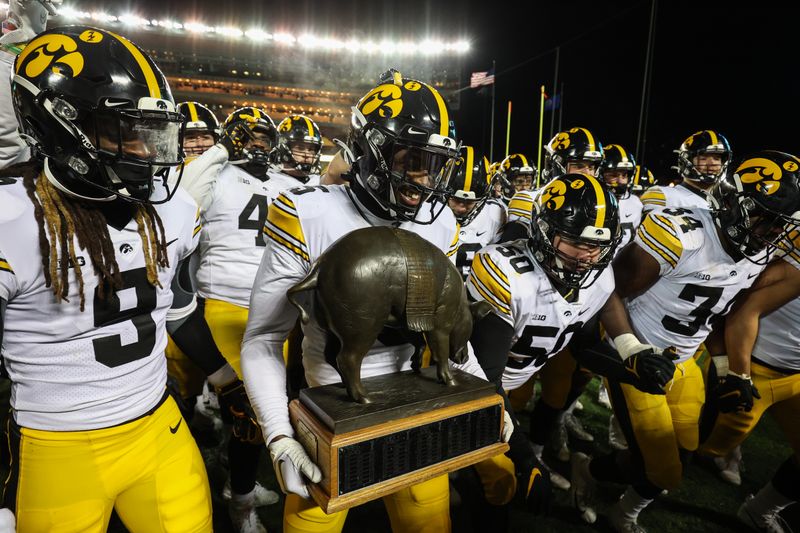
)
(293, 466)
(508, 427)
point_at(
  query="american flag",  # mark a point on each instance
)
(480, 79)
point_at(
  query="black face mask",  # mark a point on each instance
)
(256, 168)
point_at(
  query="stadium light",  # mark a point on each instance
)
(428, 47)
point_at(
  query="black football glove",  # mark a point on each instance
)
(236, 136)
(735, 394)
(533, 478)
(235, 409)
(653, 370)
(537, 490)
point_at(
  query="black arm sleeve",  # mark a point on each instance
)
(596, 355)
(191, 333)
(491, 340)
(514, 230)
(194, 339)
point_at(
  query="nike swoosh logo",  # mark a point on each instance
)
(581, 312)
(173, 240)
(412, 131)
(174, 430)
(750, 276)
(116, 104)
(481, 233)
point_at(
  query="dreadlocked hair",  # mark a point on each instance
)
(62, 219)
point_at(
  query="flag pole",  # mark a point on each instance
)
(541, 127)
(491, 129)
(508, 127)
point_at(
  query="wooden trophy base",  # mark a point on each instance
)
(415, 429)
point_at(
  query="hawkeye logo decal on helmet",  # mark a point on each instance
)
(765, 173)
(577, 184)
(286, 125)
(412, 85)
(562, 141)
(553, 195)
(386, 99)
(91, 36)
(51, 49)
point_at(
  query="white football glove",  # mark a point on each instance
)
(508, 427)
(293, 466)
(8, 523)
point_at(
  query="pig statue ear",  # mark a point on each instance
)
(479, 309)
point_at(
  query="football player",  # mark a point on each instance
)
(519, 173)
(91, 238)
(759, 353)
(643, 179)
(618, 171)
(404, 157)
(479, 217)
(298, 150)
(547, 288)
(201, 131)
(234, 201)
(682, 272)
(703, 159)
(571, 151)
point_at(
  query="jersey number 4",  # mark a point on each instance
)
(257, 201)
(108, 311)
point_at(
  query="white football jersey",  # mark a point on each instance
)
(484, 229)
(306, 222)
(509, 278)
(778, 342)
(630, 216)
(232, 240)
(310, 181)
(681, 195)
(73, 370)
(698, 282)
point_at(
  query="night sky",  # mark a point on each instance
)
(732, 69)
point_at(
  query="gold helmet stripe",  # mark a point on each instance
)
(468, 169)
(590, 138)
(601, 201)
(713, 134)
(622, 151)
(309, 125)
(444, 129)
(192, 112)
(141, 60)
(256, 112)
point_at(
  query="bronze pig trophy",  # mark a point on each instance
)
(381, 276)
